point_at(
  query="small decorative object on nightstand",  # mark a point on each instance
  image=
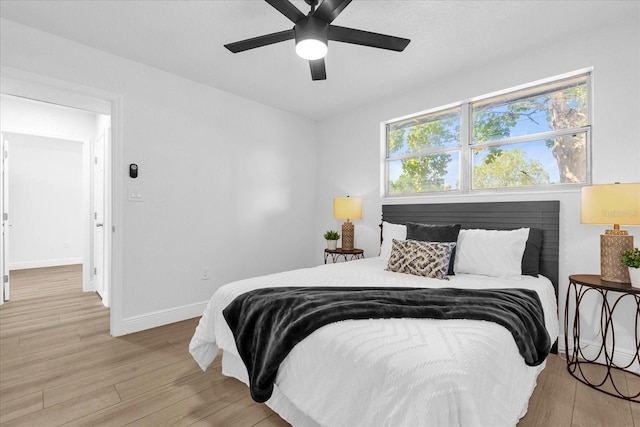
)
(596, 368)
(631, 259)
(347, 254)
(331, 237)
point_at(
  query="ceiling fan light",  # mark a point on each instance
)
(311, 49)
(311, 38)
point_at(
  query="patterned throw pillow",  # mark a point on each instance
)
(428, 259)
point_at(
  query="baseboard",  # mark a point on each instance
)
(590, 349)
(23, 265)
(142, 322)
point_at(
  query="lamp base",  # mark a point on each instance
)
(612, 245)
(347, 235)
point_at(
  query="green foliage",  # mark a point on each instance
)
(511, 168)
(395, 139)
(490, 125)
(631, 258)
(422, 174)
(425, 173)
(493, 155)
(331, 235)
(431, 135)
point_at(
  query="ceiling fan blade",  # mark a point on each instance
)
(330, 9)
(318, 71)
(366, 38)
(260, 41)
(287, 9)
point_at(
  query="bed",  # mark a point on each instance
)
(404, 371)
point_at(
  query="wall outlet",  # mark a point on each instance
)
(205, 273)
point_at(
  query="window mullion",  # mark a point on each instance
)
(532, 137)
(423, 153)
(465, 147)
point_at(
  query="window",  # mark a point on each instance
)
(534, 137)
(424, 153)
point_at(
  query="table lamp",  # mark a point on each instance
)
(617, 204)
(347, 208)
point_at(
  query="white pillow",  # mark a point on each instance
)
(389, 232)
(496, 253)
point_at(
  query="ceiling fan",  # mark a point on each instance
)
(313, 31)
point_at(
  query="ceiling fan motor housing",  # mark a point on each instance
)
(311, 28)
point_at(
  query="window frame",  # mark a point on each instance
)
(466, 147)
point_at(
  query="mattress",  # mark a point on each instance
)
(389, 372)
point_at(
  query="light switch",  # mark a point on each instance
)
(135, 194)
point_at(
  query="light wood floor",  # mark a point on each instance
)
(59, 366)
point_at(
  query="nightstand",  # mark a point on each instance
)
(600, 375)
(347, 254)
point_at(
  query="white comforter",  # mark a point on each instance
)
(391, 372)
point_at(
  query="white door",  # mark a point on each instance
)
(5, 290)
(99, 219)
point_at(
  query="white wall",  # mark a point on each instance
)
(228, 183)
(351, 142)
(49, 148)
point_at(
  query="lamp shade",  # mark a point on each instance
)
(347, 208)
(617, 204)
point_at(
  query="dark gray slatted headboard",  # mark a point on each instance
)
(492, 216)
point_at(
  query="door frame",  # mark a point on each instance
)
(98, 215)
(5, 287)
(38, 87)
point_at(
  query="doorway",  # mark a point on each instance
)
(59, 156)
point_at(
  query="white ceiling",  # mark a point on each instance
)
(186, 38)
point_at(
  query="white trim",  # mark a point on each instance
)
(424, 113)
(590, 349)
(114, 240)
(492, 94)
(159, 318)
(540, 82)
(45, 89)
(23, 265)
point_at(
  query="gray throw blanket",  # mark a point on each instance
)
(267, 323)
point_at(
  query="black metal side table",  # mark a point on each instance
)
(347, 254)
(577, 362)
